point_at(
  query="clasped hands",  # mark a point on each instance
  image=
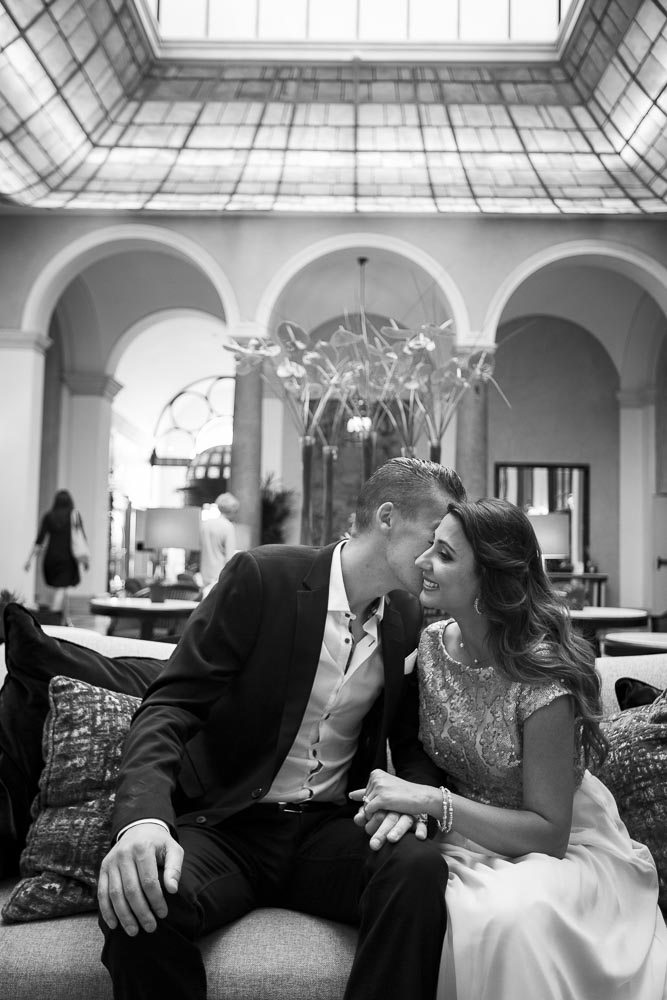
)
(129, 889)
(390, 806)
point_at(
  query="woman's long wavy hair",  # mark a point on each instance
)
(530, 632)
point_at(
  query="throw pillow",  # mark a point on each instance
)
(84, 734)
(631, 693)
(32, 658)
(636, 774)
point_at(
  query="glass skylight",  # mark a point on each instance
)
(359, 22)
(93, 116)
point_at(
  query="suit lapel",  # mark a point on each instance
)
(393, 656)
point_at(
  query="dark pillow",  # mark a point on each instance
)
(635, 772)
(32, 658)
(631, 693)
(84, 734)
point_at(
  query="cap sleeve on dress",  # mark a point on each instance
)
(534, 697)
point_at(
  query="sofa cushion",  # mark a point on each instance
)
(651, 668)
(268, 953)
(84, 734)
(631, 693)
(635, 771)
(32, 658)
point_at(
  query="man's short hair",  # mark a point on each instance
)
(227, 503)
(410, 484)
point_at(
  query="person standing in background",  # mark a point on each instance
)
(218, 540)
(60, 567)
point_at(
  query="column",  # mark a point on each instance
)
(247, 452)
(21, 394)
(85, 465)
(636, 480)
(472, 441)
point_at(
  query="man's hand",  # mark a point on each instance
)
(389, 826)
(388, 823)
(129, 889)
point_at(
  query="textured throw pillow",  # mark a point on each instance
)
(636, 774)
(32, 658)
(84, 734)
(631, 693)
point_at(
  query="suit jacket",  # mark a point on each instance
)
(215, 727)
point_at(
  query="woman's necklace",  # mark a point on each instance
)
(475, 661)
(459, 663)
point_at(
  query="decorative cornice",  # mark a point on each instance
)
(636, 399)
(33, 340)
(92, 384)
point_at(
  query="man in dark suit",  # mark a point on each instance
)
(279, 699)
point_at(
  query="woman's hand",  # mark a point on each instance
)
(387, 792)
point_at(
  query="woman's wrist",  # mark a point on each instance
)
(433, 802)
(446, 817)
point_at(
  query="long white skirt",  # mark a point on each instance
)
(586, 927)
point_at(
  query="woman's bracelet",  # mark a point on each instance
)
(445, 824)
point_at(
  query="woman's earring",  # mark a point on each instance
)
(476, 606)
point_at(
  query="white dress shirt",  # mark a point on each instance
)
(348, 680)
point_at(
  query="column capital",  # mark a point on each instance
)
(92, 384)
(476, 341)
(636, 399)
(33, 340)
(245, 330)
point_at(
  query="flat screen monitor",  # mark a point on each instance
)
(553, 533)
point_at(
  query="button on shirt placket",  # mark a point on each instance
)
(351, 656)
(343, 658)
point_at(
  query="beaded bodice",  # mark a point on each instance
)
(471, 722)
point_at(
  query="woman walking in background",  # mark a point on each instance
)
(60, 566)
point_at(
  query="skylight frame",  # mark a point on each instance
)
(358, 50)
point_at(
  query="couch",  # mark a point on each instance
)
(270, 954)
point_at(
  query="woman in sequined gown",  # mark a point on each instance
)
(548, 898)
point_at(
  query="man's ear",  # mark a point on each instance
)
(385, 515)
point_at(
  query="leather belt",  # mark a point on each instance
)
(297, 807)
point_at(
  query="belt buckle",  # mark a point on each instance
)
(290, 807)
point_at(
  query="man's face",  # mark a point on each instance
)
(410, 537)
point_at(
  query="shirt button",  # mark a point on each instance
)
(200, 819)
(256, 793)
(347, 640)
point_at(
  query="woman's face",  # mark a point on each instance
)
(449, 573)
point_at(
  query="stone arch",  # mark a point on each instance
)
(100, 243)
(216, 325)
(638, 364)
(379, 241)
